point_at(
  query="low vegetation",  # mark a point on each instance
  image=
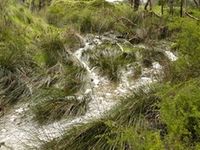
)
(109, 59)
(167, 116)
(53, 104)
(36, 63)
(86, 16)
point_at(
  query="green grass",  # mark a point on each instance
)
(15, 57)
(127, 127)
(180, 112)
(82, 137)
(12, 88)
(74, 78)
(53, 49)
(29, 49)
(167, 116)
(109, 59)
(136, 107)
(187, 66)
(150, 55)
(86, 16)
(53, 104)
(56, 98)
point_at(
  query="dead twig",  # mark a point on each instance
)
(189, 15)
(156, 14)
(128, 20)
(121, 48)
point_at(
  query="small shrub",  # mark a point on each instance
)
(180, 112)
(187, 66)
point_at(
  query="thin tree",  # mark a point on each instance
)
(148, 3)
(162, 6)
(131, 2)
(136, 4)
(171, 7)
(181, 8)
(32, 5)
(41, 4)
(197, 3)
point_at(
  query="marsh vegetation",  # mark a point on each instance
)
(94, 74)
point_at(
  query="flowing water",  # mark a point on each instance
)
(18, 131)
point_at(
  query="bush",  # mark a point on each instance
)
(187, 66)
(180, 112)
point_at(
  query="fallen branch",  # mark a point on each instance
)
(189, 15)
(155, 14)
(121, 48)
(128, 20)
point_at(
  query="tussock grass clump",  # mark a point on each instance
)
(72, 39)
(109, 59)
(14, 54)
(106, 135)
(148, 56)
(53, 49)
(59, 100)
(74, 79)
(55, 45)
(12, 88)
(138, 106)
(70, 77)
(54, 104)
(83, 137)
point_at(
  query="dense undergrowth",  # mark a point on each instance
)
(167, 117)
(86, 16)
(35, 64)
(34, 58)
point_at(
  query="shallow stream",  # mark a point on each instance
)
(18, 131)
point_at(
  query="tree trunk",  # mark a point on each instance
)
(32, 5)
(171, 7)
(162, 7)
(197, 3)
(181, 8)
(131, 2)
(148, 3)
(136, 4)
(41, 4)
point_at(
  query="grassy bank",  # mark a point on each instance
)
(35, 66)
(167, 117)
